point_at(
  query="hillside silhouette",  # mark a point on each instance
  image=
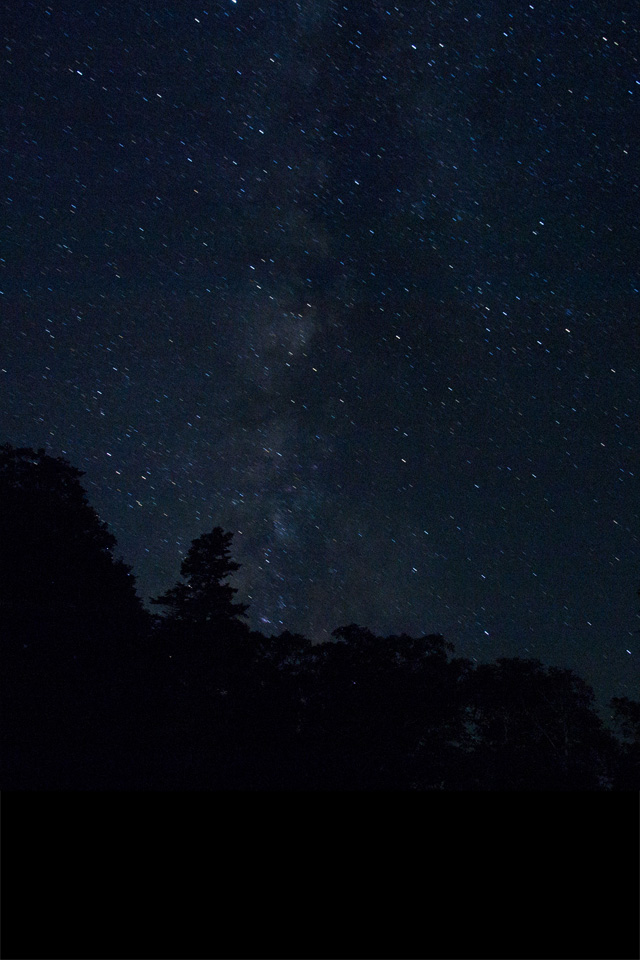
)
(98, 693)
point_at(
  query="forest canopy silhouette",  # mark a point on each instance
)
(99, 693)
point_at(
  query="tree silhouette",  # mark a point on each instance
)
(381, 712)
(204, 599)
(57, 568)
(97, 694)
(70, 619)
(210, 674)
(536, 728)
(626, 721)
(627, 718)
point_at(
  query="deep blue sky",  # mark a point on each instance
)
(357, 282)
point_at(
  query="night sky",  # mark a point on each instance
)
(358, 283)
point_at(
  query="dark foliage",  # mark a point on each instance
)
(98, 694)
(204, 600)
(626, 722)
(71, 625)
(536, 727)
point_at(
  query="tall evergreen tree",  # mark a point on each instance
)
(204, 599)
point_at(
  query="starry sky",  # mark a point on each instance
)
(358, 282)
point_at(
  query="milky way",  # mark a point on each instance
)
(357, 283)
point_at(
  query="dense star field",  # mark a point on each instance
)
(358, 283)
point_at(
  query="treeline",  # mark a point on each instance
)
(98, 693)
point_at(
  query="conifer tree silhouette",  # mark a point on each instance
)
(204, 599)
